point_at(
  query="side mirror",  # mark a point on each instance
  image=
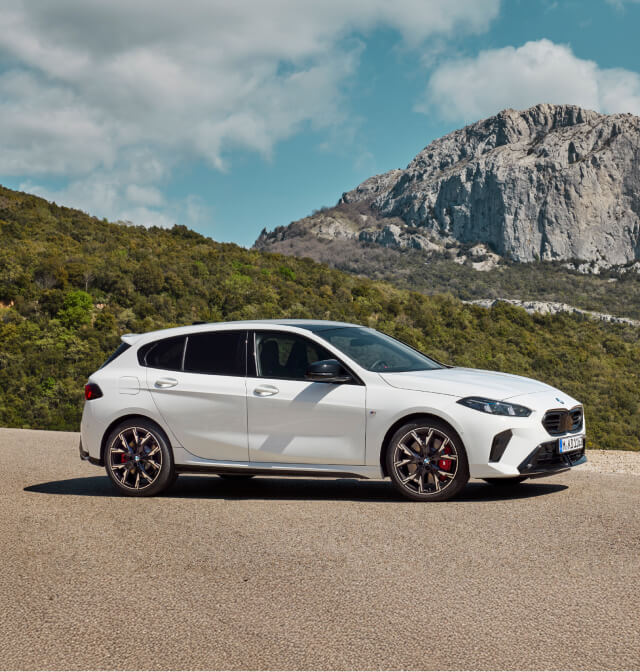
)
(327, 371)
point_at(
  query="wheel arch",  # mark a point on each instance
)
(403, 421)
(130, 416)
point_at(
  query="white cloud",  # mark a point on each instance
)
(468, 89)
(144, 195)
(103, 194)
(87, 85)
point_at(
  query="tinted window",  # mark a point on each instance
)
(220, 352)
(118, 351)
(281, 355)
(376, 351)
(165, 354)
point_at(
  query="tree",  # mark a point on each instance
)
(76, 310)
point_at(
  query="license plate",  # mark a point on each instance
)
(570, 443)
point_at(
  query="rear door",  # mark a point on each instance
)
(293, 420)
(198, 384)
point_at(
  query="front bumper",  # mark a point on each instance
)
(528, 438)
(84, 455)
(546, 459)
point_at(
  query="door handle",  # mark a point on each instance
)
(266, 390)
(166, 382)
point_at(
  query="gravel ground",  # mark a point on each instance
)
(319, 574)
(613, 462)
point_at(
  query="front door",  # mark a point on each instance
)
(198, 384)
(295, 421)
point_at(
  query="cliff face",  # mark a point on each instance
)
(554, 182)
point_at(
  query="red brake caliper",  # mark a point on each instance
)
(445, 464)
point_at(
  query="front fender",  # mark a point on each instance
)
(387, 407)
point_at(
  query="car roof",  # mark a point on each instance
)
(308, 325)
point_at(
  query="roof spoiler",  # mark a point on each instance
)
(130, 339)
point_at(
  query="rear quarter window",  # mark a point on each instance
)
(165, 354)
(117, 352)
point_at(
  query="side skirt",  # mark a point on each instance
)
(185, 462)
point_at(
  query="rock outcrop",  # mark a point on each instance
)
(555, 307)
(554, 182)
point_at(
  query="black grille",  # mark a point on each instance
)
(560, 421)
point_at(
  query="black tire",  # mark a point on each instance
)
(431, 481)
(505, 482)
(143, 468)
(237, 477)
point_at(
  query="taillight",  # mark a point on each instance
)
(92, 391)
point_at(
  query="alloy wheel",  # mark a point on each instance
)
(135, 458)
(425, 461)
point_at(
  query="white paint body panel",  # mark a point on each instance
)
(320, 427)
(306, 422)
(207, 414)
(461, 382)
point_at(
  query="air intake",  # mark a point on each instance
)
(499, 445)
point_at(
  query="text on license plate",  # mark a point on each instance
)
(570, 443)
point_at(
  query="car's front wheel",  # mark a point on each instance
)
(427, 461)
(138, 458)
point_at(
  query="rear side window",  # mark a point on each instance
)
(118, 351)
(219, 353)
(164, 354)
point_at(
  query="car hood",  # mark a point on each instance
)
(460, 382)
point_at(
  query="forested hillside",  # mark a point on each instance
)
(615, 290)
(71, 284)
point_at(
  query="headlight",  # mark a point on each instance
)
(495, 407)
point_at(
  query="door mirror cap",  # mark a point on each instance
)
(327, 371)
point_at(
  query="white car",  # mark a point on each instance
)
(317, 398)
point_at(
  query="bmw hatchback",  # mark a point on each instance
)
(317, 398)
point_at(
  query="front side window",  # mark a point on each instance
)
(283, 355)
(375, 351)
(219, 353)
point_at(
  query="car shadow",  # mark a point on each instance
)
(283, 489)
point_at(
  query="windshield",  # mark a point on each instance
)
(375, 351)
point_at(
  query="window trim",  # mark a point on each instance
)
(146, 348)
(355, 378)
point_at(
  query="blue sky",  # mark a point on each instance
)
(231, 117)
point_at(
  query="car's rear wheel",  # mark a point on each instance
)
(427, 461)
(138, 458)
(505, 482)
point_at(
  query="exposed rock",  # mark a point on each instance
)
(373, 187)
(551, 182)
(553, 307)
(634, 268)
(554, 182)
(392, 235)
(338, 224)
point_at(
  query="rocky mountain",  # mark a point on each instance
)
(554, 183)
